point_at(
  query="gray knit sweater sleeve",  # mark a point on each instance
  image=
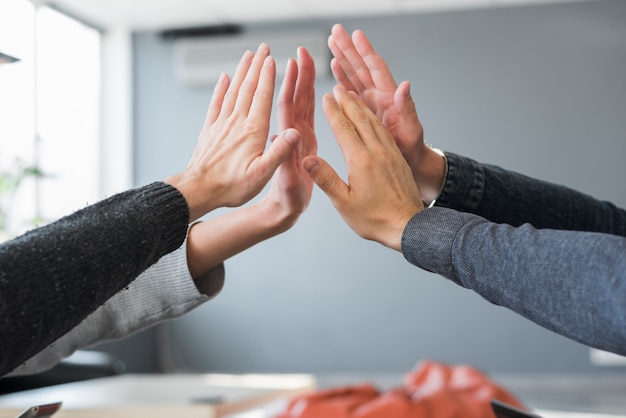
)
(164, 291)
(571, 282)
(52, 277)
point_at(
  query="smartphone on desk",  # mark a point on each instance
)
(41, 411)
(503, 410)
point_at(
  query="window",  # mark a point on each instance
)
(49, 113)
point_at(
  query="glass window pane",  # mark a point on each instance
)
(17, 127)
(62, 99)
(68, 69)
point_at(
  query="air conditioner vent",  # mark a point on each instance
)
(200, 61)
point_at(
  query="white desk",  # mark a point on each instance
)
(160, 396)
(261, 396)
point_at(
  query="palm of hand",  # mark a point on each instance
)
(292, 186)
(403, 125)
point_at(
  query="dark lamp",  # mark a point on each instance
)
(7, 59)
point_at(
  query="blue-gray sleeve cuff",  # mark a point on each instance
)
(428, 239)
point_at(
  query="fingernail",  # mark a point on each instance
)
(246, 56)
(339, 88)
(292, 135)
(311, 165)
(262, 47)
(268, 60)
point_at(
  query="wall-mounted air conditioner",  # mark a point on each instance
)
(200, 61)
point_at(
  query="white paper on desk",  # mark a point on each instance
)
(562, 414)
(152, 396)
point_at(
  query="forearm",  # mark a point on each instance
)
(53, 277)
(164, 291)
(507, 197)
(571, 282)
(212, 242)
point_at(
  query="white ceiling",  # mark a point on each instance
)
(164, 14)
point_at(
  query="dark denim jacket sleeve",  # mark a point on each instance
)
(507, 197)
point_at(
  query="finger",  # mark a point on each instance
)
(304, 95)
(345, 133)
(381, 134)
(358, 114)
(343, 63)
(215, 106)
(377, 67)
(340, 75)
(260, 106)
(279, 150)
(350, 59)
(233, 89)
(252, 85)
(285, 96)
(326, 179)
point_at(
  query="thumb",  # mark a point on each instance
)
(325, 177)
(403, 101)
(281, 147)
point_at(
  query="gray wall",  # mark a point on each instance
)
(540, 90)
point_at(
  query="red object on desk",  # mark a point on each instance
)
(430, 390)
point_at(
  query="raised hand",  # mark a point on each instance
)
(358, 67)
(381, 195)
(292, 187)
(217, 239)
(230, 165)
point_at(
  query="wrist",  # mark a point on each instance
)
(393, 238)
(274, 218)
(194, 195)
(430, 174)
